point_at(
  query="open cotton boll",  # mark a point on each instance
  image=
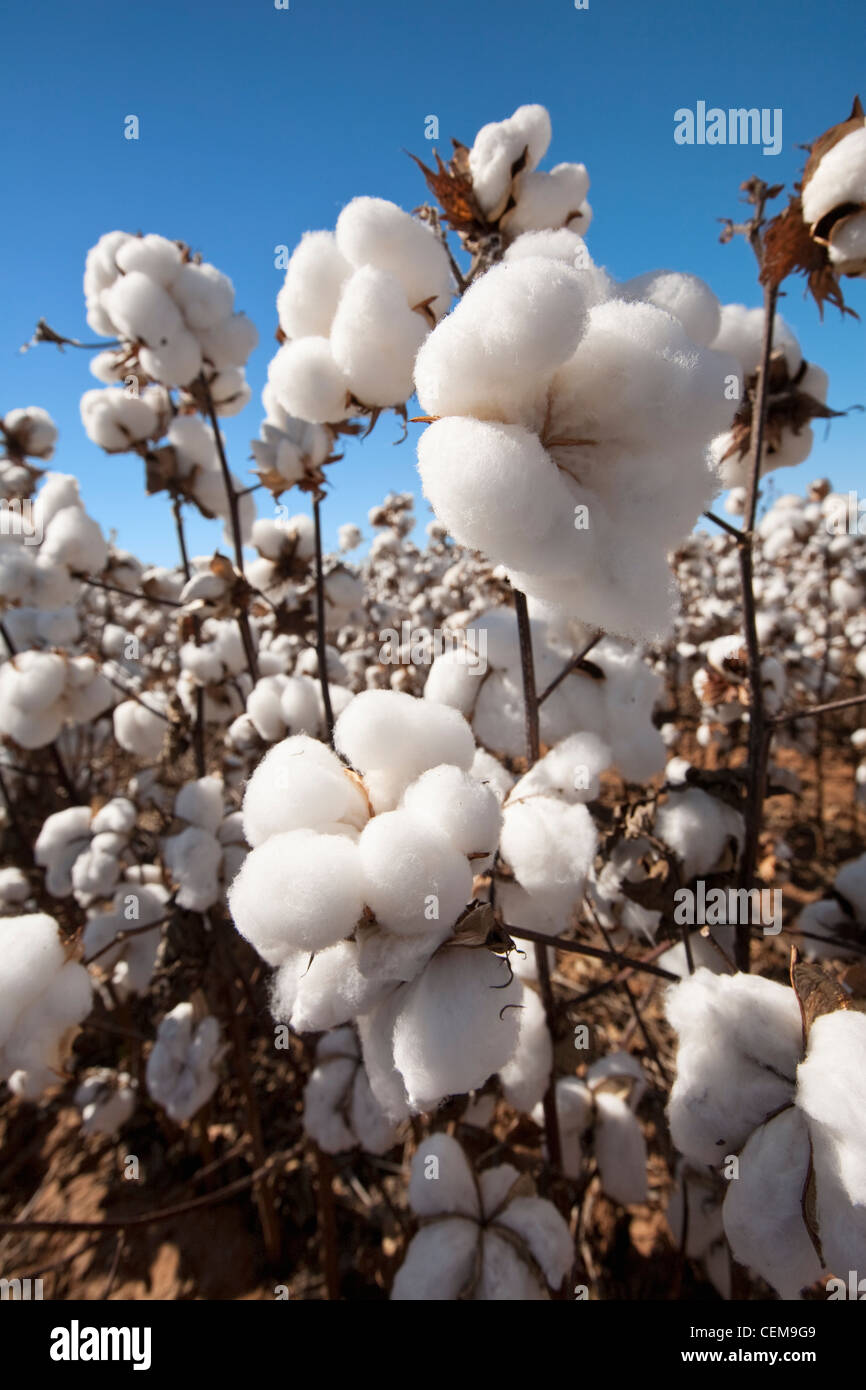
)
(106, 1099)
(307, 381)
(452, 802)
(74, 539)
(466, 463)
(152, 255)
(413, 877)
(831, 1092)
(193, 859)
(33, 430)
(229, 343)
(298, 784)
(512, 328)
(374, 232)
(550, 846)
(453, 1190)
(573, 768)
(138, 730)
(129, 962)
(763, 1211)
(387, 731)
(100, 266)
(142, 310)
(298, 890)
(526, 1075)
(325, 1094)
(620, 1150)
(741, 334)
(34, 679)
(548, 200)
(14, 886)
(847, 249)
(174, 363)
(325, 992)
(574, 1106)
(204, 294)
(182, 1067)
(42, 997)
(498, 146)
(375, 336)
(201, 803)
(697, 827)
(838, 178)
(491, 773)
(32, 954)
(315, 275)
(116, 421)
(740, 1039)
(685, 296)
(453, 1030)
(439, 1262)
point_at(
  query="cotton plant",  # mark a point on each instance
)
(359, 875)
(183, 1067)
(106, 1100)
(569, 432)
(482, 1236)
(44, 996)
(340, 1110)
(773, 1077)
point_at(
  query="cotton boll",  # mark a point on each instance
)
(540, 1225)
(490, 772)
(74, 539)
(464, 463)
(573, 769)
(14, 886)
(550, 846)
(300, 783)
(838, 178)
(229, 343)
(620, 1150)
(201, 803)
(299, 705)
(182, 1067)
(847, 248)
(375, 336)
(451, 801)
(297, 891)
(412, 874)
(174, 363)
(325, 992)
(763, 1212)
(740, 1039)
(831, 1093)
(116, 421)
(697, 827)
(32, 955)
(100, 267)
(685, 296)
(513, 327)
(230, 392)
(498, 146)
(193, 859)
(204, 294)
(525, 1077)
(741, 332)
(388, 732)
(316, 272)
(143, 311)
(153, 256)
(439, 1262)
(329, 1085)
(548, 200)
(32, 429)
(34, 679)
(374, 232)
(307, 381)
(106, 1099)
(453, 1031)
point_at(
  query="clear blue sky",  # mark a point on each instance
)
(258, 124)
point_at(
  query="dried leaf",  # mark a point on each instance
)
(817, 992)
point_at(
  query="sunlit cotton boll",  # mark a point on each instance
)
(299, 784)
(413, 876)
(315, 275)
(307, 382)
(375, 336)
(374, 232)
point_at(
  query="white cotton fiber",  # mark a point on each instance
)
(450, 800)
(374, 232)
(201, 802)
(526, 1075)
(439, 1262)
(375, 336)
(152, 255)
(697, 827)
(453, 1030)
(685, 296)
(540, 1225)
(413, 877)
(389, 732)
(763, 1212)
(300, 783)
(548, 200)
(316, 272)
(620, 1150)
(204, 294)
(831, 1092)
(550, 846)
(298, 890)
(307, 381)
(142, 310)
(740, 1039)
(193, 859)
(498, 146)
(174, 363)
(324, 993)
(452, 1190)
(840, 177)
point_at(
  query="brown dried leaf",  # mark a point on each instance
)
(817, 992)
(451, 186)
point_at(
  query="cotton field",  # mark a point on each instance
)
(476, 910)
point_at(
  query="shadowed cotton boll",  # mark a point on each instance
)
(43, 997)
(697, 827)
(182, 1067)
(128, 961)
(340, 1111)
(106, 1099)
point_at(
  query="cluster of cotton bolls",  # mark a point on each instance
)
(207, 853)
(340, 1110)
(183, 1066)
(84, 853)
(509, 188)
(44, 996)
(356, 305)
(792, 1113)
(43, 692)
(173, 313)
(289, 451)
(484, 1237)
(613, 697)
(570, 431)
(106, 1099)
(367, 867)
(25, 433)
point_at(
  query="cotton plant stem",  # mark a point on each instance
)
(760, 734)
(533, 749)
(235, 517)
(327, 1222)
(198, 725)
(321, 643)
